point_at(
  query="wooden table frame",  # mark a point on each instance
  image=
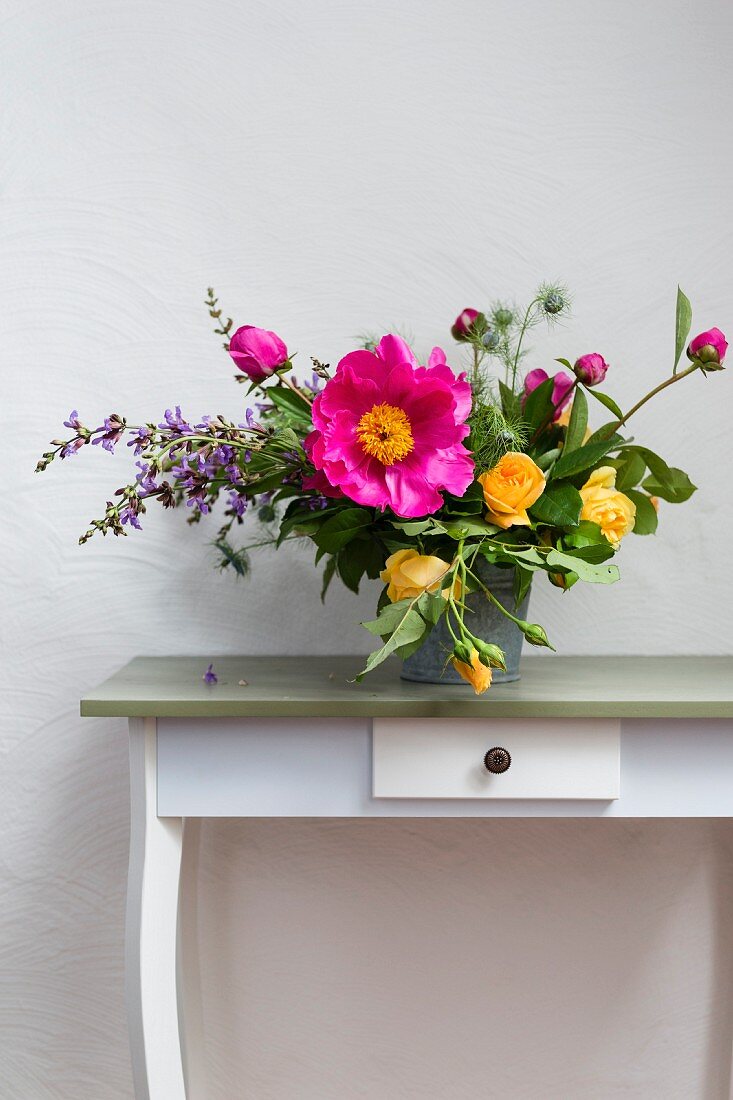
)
(676, 748)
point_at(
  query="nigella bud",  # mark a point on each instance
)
(503, 317)
(708, 349)
(553, 303)
(491, 339)
(590, 369)
(468, 323)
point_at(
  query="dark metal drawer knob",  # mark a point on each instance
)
(497, 760)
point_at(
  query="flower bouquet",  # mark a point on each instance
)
(453, 487)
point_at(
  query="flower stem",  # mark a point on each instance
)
(522, 331)
(652, 393)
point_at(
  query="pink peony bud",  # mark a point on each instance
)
(257, 352)
(561, 390)
(708, 349)
(590, 369)
(467, 323)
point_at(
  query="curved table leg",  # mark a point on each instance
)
(152, 917)
(190, 1013)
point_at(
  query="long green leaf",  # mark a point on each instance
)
(328, 572)
(539, 407)
(683, 323)
(585, 458)
(607, 401)
(578, 422)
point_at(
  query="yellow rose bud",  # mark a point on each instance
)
(475, 674)
(605, 505)
(408, 574)
(512, 487)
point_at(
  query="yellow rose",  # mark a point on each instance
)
(475, 674)
(408, 574)
(512, 487)
(605, 505)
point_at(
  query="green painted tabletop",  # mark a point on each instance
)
(552, 686)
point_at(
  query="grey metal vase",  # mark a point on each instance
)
(428, 664)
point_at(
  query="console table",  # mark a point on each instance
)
(630, 737)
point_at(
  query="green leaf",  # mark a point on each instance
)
(301, 522)
(409, 628)
(412, 527)
(587, 571)
(470, 503)
(362, 555)
(539, 407)
(630, 472)
(604, 399)
(585, 458)
(328, 572)
(565, 363)
(431, 606)
(578, 422)
(559, 505)
(389, 617)
(407, 650)
(683, 323)
(667, 482)
(341, 528)
(646, 514)
(546, 460)
(501, 552)
(587, 533)
(594, 553)
(466, 526)
(603, 433)
(522, 581)
(288, 402)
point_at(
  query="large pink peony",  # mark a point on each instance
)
(388, 432)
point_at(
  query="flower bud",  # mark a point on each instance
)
(590, 369)
(562, 388)
(708, 349)
(468, 323)
(491, 339)
(462, 652)
(562, 580)
(490, 655)
(503, 317)
(535, 634)
(553, 302)
(257, 352)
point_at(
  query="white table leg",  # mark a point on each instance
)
(152, 916)
(190, 1013)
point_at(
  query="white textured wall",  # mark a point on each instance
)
(329, 166)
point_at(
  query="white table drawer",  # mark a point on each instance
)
(440, 758)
